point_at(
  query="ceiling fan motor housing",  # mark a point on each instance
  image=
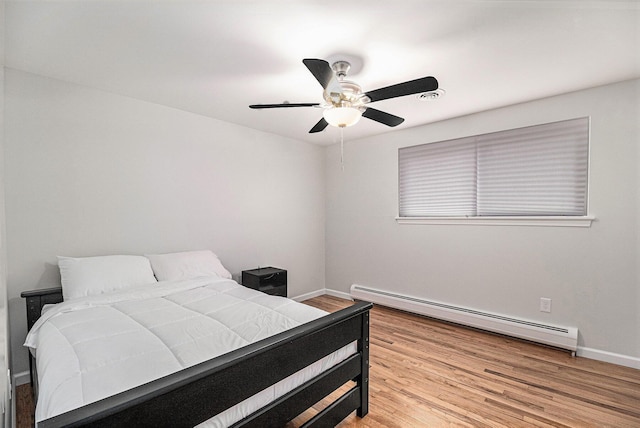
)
(351, 95)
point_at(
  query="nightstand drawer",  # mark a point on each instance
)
(275, 290)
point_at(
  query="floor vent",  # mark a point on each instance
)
(562, 337)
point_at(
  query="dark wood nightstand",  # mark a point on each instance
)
(35, 300)
(269, 280)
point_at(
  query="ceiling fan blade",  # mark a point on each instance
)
(318, 127)
(425, 84)
(323, 72)
(258, 106)
(382, 117)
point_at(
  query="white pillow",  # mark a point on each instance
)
(90, 276)
(187, 265)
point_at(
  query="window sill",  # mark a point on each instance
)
(552, 221)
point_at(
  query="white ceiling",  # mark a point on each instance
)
(216, 57)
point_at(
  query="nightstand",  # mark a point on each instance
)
(269, 280)
(35, 300)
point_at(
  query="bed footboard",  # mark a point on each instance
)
(193, 395)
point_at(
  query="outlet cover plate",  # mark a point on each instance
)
(545, 304)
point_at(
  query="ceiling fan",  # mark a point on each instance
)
(344, 100)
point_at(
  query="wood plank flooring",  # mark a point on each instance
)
(426, 373)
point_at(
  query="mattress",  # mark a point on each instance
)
(93, 347)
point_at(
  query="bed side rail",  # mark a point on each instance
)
(193, 395)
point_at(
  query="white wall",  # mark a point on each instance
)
(93, 173)
(591, 274)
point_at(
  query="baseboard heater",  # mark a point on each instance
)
(561, 337)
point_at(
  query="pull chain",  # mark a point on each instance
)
(342, 147)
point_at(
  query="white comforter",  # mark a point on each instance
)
(94, 347)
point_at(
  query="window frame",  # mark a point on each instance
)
(509, 220)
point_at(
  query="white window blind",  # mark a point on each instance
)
(539, 170)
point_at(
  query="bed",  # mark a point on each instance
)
(193, 355)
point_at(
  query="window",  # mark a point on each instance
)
(539, 171)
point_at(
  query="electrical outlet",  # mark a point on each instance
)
(545, 304)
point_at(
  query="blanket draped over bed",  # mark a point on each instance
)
(94, 347)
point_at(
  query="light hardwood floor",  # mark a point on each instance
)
(426, 373)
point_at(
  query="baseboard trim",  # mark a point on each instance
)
(322, 292)
(307, 296)
(609, 357)
(339, 294)
(21, 378)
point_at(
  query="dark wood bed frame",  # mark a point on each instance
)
(195, 394)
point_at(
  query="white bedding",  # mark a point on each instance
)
(93, 347)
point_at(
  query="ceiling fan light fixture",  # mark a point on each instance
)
(341, 117)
